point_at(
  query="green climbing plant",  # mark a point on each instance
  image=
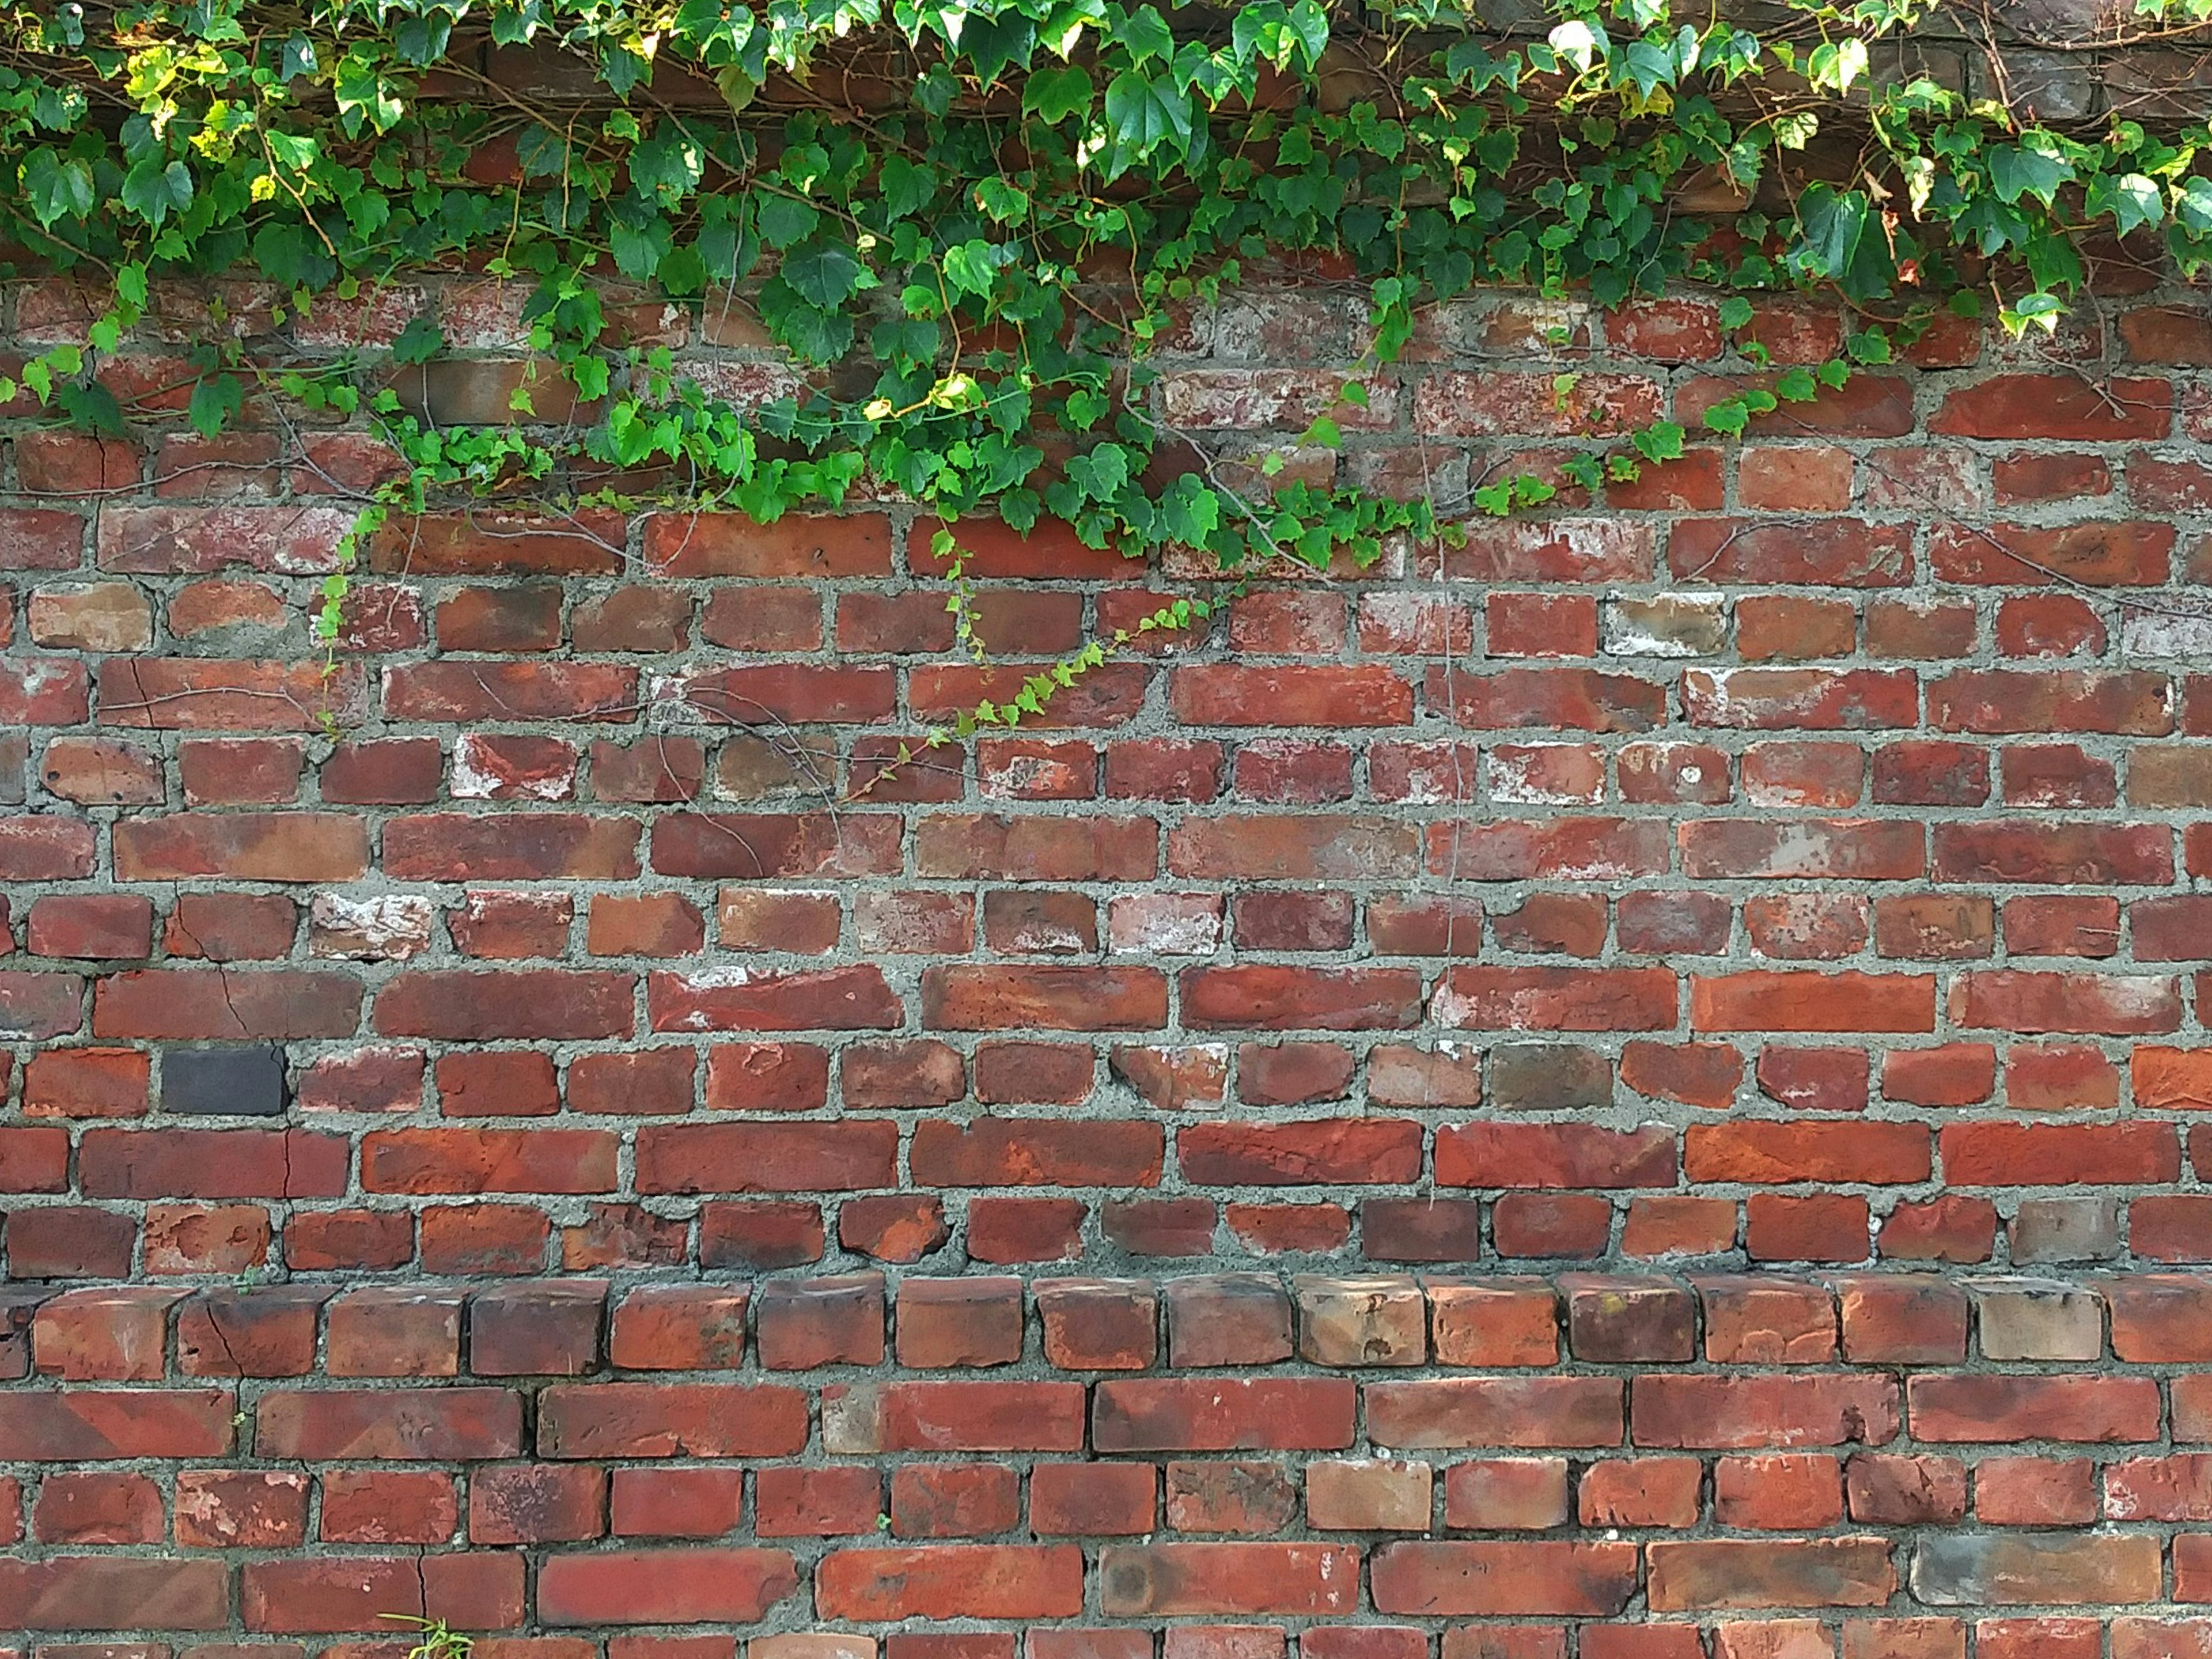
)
(975, 228)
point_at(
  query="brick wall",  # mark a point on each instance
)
(1627, 1089)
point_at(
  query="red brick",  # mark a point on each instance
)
(264, 1331)
(1579, 1579)
(1785, 1152)
(1812, 1001)
(2002, 700)
(1552, 849)
(376, 1506)
(951, 1582)
(666, 1419)
(1779, 1493)
(536, 1504)
(1353, 1150)
(954, 1500)
(1995, 1409)
(1223, 1414)
(1814, 1079)
(222, 1508)
(77, 1507)
(365, 1423)
(1254, 996)
(1093, 1499)
(681, 1502)
(87, 1083)
(83, 1592)
(978, 1416)
(1018, 1230)
(198, 694)
(1233, 695)
(798, 1503)
(1547, 1155)
(1897, 1490)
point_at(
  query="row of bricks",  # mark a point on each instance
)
(1794, 773)
(71, 1241)
(1037, 922)
(205, 694)
(106, 1081)
(1922, 1637)
(1947, 926)
(555, 1004)
(534, 769)
(594, 1422)
(1036, 1583)
(1690, 536)
(1350, 849)
(1353, 849)
(506, 1503)
(66, 1241)
(523, 616)
(557, 1327)
(252, 465)
(1271, 317)
(861, 1154)
(1491, 404)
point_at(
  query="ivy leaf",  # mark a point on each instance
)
(216, 401)
(1053, 94)
(1870, 346)
(297, 151)
(993, 44)
(1255, 23)
(905, 187)
(824, 274)
(1735, 312)
(972, 267)
(2040, 310)
(290, 257)
(1796, 386)
(58, 189)
(639, 249)
(1102, 473)
(1660, 441)
(419, 342)
(1837, 64)
(669, 165)
(2193, 207)
(1467, 61)
(2132, 200)
(1003, 200)
(1581, 42)
(2017, 170)
(909, 340)
(820, 337)
(784, 219)
(364, 95)
(91, 407)
(1144, 115)
(1145, 35)
(1730, 416)
(1310, 22)
(1831, 221)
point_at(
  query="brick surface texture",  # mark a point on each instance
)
(1635, 1088)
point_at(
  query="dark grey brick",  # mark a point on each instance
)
(231, 1082)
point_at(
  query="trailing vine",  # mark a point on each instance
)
(972, 226)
